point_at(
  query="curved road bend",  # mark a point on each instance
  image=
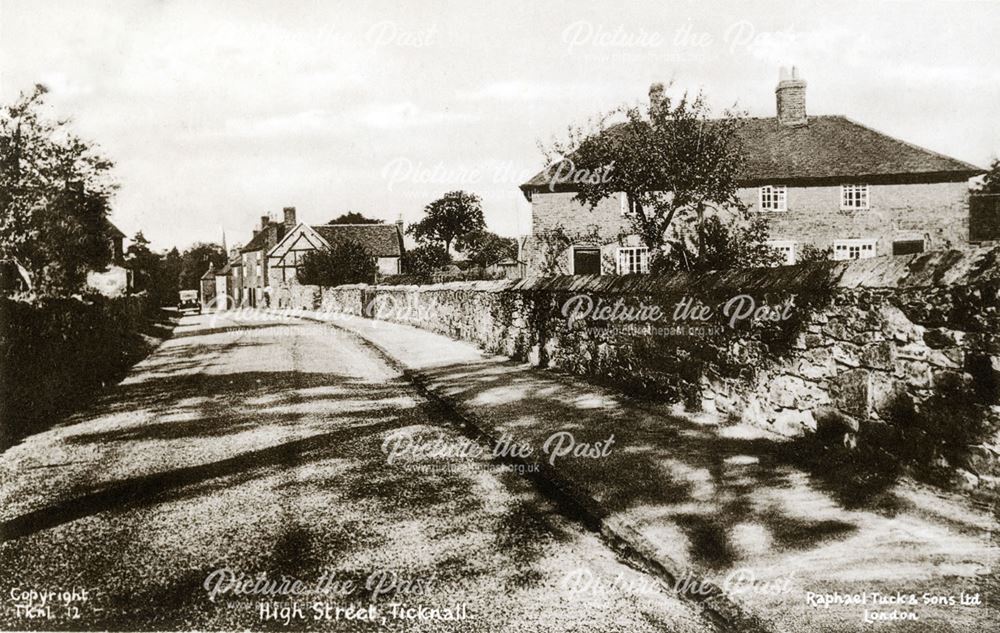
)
(256, 445)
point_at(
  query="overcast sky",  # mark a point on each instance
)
(219, 112)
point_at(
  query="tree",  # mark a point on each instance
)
(196, 260)
(346, 262)
(425, 259)
(991, 183)
(670, 160)
(55, 191)
(144, 263)
(353, 217)
(455, 213)
(485, 248)
(726, 242)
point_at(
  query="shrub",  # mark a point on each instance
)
(425, 259)
(347, 262)
(55, 353)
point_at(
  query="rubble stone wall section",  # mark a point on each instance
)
(875, 329)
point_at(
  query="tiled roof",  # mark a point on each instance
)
(258, 242)
(380, 240)
(828, 149)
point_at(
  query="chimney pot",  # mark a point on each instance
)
(264, 221)
(790, 96)
(289, 217)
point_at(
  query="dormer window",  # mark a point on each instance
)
(853, 197)
(773, 198)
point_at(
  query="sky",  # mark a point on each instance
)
(218, 112)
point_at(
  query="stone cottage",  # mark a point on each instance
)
(822, 180)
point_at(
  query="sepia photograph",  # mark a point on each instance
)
(570, 316)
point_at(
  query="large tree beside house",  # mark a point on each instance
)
(55, 190)
(452, 215)
(353, 217)
(196, 260)
(678, 170)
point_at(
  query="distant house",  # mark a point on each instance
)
(235, 280)
(116, 280)
(207, 283)
(254, 265)
(825, 181)
(384, 242)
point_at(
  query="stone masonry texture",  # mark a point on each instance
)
(937, 213)
(860, 334)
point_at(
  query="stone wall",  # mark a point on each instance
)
(857, 335)
(937, 213)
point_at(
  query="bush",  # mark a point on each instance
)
(345, 263)
(425, 259)
(55, 353)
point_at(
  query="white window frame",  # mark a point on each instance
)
(866, 248)
(632, 259)
(855, 197)
(772, 198)
(787, 247)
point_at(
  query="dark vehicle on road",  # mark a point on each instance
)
(189, 302)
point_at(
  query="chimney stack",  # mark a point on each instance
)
(791, 98)
(264, 221)
(399, 223)
(289, 217)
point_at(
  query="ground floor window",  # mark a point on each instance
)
(633, 259)
(786, 248)
(586, 260)
(907, 247)
(853, 249)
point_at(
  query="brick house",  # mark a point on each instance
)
(384, 242)
(822, 180)
(253, 264)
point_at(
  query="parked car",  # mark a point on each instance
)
(189, 302)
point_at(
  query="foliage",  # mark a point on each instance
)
(810, 253)
(991, 183)
(719, 243)
(155, 274)
(425, 259)
(196, 260)
(450, 216)
(58, 352)
(353, 217)
(552, 245)
(54, 195)
(671, 160)
(346, 262)
(485, 248)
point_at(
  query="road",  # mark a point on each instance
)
(253, 449)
